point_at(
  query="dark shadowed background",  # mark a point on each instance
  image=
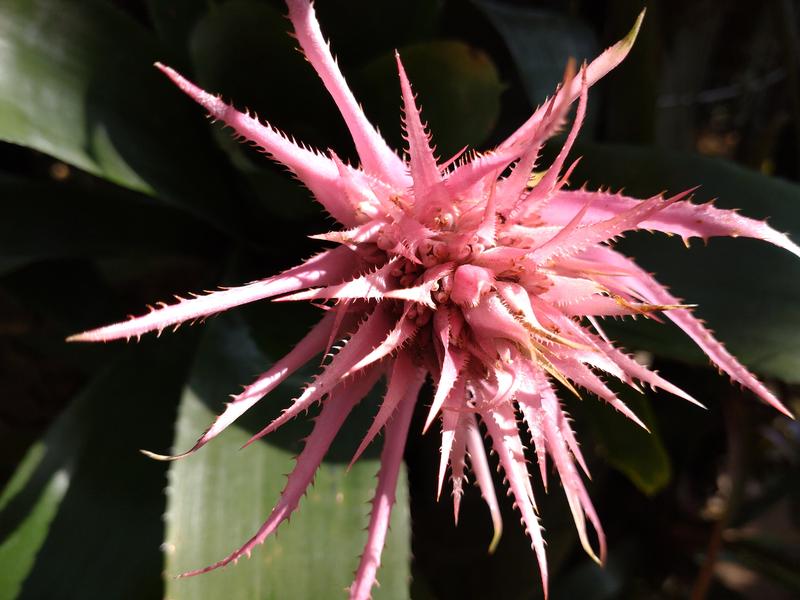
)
(117, 192)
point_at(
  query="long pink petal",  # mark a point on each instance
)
(458, 463)
(483, 475)
(424, 170)
(405, 382)
(541, 193)
(596, 70)
(375, 154)
(450, 427)
(328, 267)
(531, 409)
(317, 172)
(694, 328)
(391, 459)
(573, 239)
(452, 362)
(311, 345)
(685, 219)
(333, 414)
(369, 286)
(365, 338)
(577, 497)
(502, 427)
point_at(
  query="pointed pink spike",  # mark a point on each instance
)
(366, 337)
(483, 475)
(375, 154)
(311, 345)
(530, 406)
(505, 439)
(328, 267)
(391, 459)
(572, 443)
(404, 384)
(580, 374)
(424, 171)
(685, 219)
(596, 70)
(404, 330)
(421, 293)
(458, 463)
(694, 328)
(487, 230)
(369, 286)
(579, 238)
(577, 497)
(333, 414)
(541, 193)
(452, 363)
(473, 174)
(317, 172)
(450, 419)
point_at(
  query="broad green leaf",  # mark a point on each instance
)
(77, 82)
(747, 291)
(82, 516)
(44, 220)
(220, 496)
(639, 455)
(457, 87)
(541, 42)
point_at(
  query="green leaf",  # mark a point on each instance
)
(541, 42)
(457, 86)
(639, 455)
(44, 220)
(81, 518)
(747, 291)
(78, 83)
(220, 496)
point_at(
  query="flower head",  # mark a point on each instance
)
(470, 272)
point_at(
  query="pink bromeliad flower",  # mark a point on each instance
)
(468, 272)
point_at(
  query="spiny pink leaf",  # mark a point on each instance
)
(366, 337)
(577, 497)
(503, 431)
(685, 219)
(377, 157)
(317, 172)
(328, 267)
(391, 459)
(424, 171)
(483, 475)
(311, 345)
(692, 327)
(370, 286)
(404, 384)
(596, 70)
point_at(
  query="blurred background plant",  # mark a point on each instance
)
(117, 192)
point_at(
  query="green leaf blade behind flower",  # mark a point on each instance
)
(77, 83)
(220, 496)
(80, 518)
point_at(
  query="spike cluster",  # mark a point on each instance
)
(472, 273)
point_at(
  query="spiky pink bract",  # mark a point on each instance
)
(472, 274)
